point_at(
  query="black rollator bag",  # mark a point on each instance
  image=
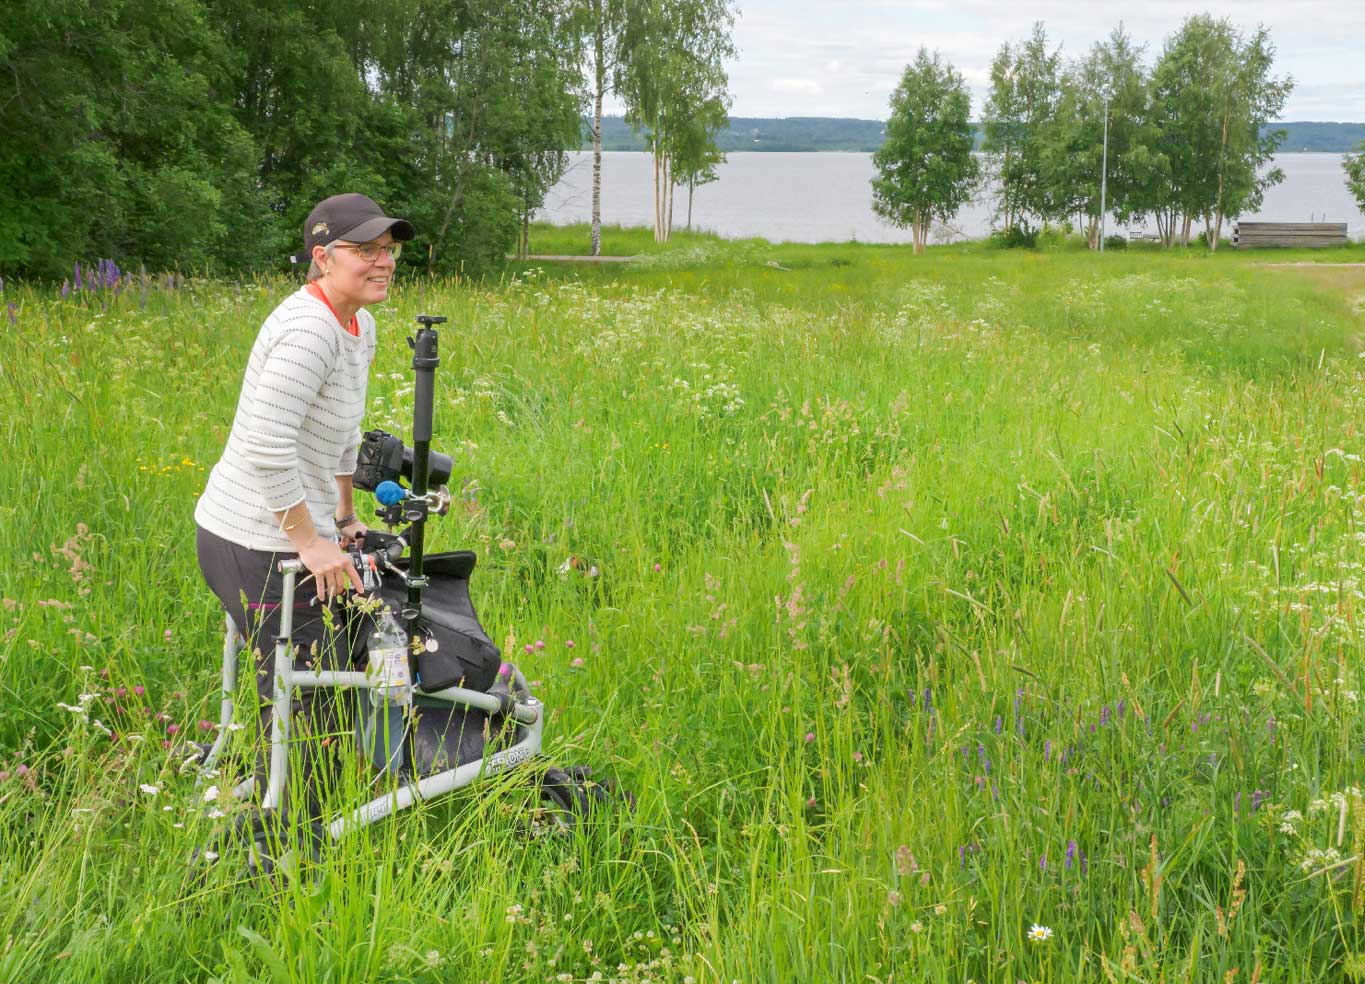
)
(456, 652)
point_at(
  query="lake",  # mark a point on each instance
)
(827, 197)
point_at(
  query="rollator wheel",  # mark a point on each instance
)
(569, 797)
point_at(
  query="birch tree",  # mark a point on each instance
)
(1018, 120)
(1212, 94)
(1353, 166)
(925, 168)
(605, 18)
(673, 55)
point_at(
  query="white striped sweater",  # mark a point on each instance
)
(297, 426)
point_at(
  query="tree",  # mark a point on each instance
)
(606, 18)
(695, 154)
(1354, 166)
(925, 168)
(1019, 119)
(1110, 79)
(673, 73)
(1212, 94)
(117, 139)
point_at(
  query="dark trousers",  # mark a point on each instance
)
(249, 585)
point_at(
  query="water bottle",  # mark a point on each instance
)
(390, 692)
(389, 661)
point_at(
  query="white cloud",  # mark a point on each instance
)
(798, 87)
(861, 46)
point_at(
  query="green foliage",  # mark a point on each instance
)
(158, 172)
(925, 169)
(1212, 93)
(197, 133)
(672, 77)
(1115, 242)
(1354, 168)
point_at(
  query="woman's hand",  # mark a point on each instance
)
(331, 568)
(352, 533)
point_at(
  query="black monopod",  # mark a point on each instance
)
(424, 362)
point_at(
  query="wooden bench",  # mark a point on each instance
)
(1255, 235)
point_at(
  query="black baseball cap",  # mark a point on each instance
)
(355, 218)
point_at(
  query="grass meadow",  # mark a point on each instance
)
(983, 616)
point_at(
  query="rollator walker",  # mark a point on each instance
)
(466, 715)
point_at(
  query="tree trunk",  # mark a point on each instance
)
(659, 193)
(691, 187)
(672, 191)
(600, 80)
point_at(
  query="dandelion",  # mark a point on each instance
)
(1039, 934)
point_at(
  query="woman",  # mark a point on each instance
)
(283, 485)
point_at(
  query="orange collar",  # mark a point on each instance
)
(353, 328)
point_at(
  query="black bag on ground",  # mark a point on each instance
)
(464, 656)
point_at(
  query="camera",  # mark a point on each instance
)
(384, 458)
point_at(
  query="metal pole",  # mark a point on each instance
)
(1104, 169)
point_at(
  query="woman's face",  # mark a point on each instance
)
(353, 280)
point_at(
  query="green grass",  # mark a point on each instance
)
(937, 597)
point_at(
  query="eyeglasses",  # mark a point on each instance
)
(369, 252)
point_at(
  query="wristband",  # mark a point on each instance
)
(347, 520)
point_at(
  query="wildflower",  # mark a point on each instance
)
(1070, 854)
(658, 568)
(576, 662)
(568, 643)
(167, 635)
(530, 649)
(1039, 934)
(540, 644)
(917, 927)
(149, 789)
(172, 728)
(893, 899)
(205, 725)
(210, 855)
(211, 794)
(810, 737)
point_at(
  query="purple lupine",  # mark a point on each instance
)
(1104, 715)
(1257, 796)
(1047, 750)
(997, 724)
(962, 855)
(11, 309)
(1070, 854)
(76, 278)
(1122, 708)
(1042, 862)
(928, 699)
(66, 289)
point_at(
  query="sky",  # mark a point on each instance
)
(833, 58)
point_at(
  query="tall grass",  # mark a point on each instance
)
(924, 604)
